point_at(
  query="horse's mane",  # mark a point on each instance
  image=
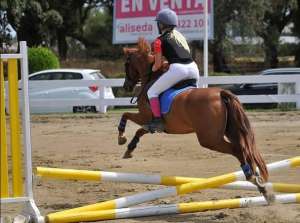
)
(143, 47)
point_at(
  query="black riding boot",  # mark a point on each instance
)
(156, 125)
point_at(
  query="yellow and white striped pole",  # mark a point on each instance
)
(73, 174)
(151, 195)
(4, 192)
(171, 191)
(15, 127)
(169, 209)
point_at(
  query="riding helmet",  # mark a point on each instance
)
(167, 17)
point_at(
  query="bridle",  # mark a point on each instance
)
(128, 79)
(132, 82)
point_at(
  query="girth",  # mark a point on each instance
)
(185, 83)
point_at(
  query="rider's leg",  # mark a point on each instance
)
(155, 107)
(176, 73)
(156, 123)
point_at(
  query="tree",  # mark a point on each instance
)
(278, 14)
(108, 5)
(5, 37)
(99, 24)
(32, 20)
(74, 14)
(246, 12)
(296, 21)
(44, 22)
(87, 21)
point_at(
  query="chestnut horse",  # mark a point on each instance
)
(215, 115)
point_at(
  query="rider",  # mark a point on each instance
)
(173, 46)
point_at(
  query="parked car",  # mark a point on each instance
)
(65, 92)
(262, 88)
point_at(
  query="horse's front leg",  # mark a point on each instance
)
(137, 118)
(133, 143)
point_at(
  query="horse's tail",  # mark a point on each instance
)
(240, 133)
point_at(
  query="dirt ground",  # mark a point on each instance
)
(90, 142)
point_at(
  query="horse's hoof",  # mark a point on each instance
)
(259, 181)
(127, 155)
(122, 140)
(267, 193)
(270, 197)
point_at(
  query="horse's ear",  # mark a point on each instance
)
(143, 45)
(125, 51)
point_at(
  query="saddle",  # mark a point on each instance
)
(179, 85)
(185, 83)
(167, 97)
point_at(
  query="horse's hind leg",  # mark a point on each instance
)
(221, 146)
(229, 148)
(133, 143)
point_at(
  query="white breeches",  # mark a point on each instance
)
(177, 72)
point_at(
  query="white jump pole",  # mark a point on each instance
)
(104, 176)
(180, 208)
(174, 190)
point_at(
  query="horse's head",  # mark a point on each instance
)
(136, 64)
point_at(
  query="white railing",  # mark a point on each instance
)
(247, 79)
(103, 102)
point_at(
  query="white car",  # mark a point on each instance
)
(66, 92)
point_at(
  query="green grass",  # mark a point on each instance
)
(120, 110)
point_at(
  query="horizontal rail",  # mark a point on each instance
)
(10, 56)
(269, 98)
(82, 102)
(14, 200)
(126, 101)
(103, 84)
(203, 80)
(250, 79)
(167, 209)
(73, 174)
(175, 190)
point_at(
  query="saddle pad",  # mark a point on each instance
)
(167, 97)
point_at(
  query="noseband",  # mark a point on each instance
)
(129, 80)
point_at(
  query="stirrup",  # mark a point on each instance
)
(155, 125)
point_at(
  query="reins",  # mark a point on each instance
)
(142, 89)
(136, 96)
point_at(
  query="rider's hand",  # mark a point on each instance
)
(165, 66)
(150, 58)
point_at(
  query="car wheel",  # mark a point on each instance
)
(84, 109)
(87, 109)
(75, 109)
(93, 109)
